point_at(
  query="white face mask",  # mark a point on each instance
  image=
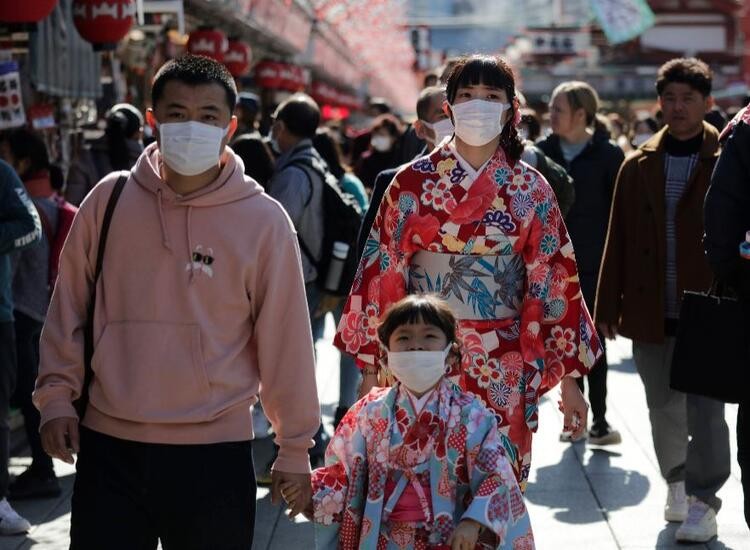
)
(381, 143)
(640, 139)
(442, 128)
(478, 121)
(190, 148)
(418, 370)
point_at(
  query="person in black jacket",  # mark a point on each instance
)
(582, 146)
(429, 113)
(727, 219)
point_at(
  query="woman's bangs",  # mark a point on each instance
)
(483, 71)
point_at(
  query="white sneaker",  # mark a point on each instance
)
(676, 508)
(700, 524)
(10, 522)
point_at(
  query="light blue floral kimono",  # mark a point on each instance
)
(452, 448)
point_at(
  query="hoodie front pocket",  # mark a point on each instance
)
(150, 372)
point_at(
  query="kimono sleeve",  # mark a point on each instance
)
(497, 502)
(381, 278)
(558, 337)
(339, 487)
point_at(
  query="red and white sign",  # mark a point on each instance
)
(237, 58)
(280, 76)
(12, 114)
(103, 22)
(209, 42)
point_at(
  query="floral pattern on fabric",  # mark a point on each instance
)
(452, 445)
(506, 210)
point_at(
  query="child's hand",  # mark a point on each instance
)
(466, 534)
(293, 495)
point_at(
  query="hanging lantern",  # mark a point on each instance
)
(209, 42)
(103, 22)
(28, 11)
(237, 58)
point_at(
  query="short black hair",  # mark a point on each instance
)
(426, 98)
(27, 144)
(686, 70)
(427, 308)
(300, 114)
(194, 70)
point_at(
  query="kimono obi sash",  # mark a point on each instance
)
(409, 506)
(477, 287)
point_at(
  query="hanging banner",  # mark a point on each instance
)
(623, 20)
(12, 113)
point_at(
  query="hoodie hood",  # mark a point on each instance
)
(231, 185)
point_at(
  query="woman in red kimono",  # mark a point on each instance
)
(483, 230)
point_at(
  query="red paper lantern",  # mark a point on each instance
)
(237, 58)
(103, 22)
(209, 42)
(28, 11)
(279, 76)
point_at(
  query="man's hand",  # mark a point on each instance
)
(300, 498)
(574, 407)
(466, 534)
(609, 331)
(60, 438)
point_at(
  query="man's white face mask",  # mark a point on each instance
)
(190, 148)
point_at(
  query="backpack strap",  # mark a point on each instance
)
(304, 164)
(88, 329)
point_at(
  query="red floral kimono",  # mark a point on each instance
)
(494, 245)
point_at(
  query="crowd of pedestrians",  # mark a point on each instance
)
(498, 248)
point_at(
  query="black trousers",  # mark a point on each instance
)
(597, 381)
(127, 495)
(743, 453)
(27, 350)
(7, 383)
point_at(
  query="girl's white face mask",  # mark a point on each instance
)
(442, 128)
(478, 121)
(190, 148)
(418, 370)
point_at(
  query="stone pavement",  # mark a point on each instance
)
(578, 497)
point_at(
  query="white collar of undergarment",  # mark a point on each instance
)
(419, 402)
(472, 174)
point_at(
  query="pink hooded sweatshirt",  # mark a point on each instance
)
(200, 305)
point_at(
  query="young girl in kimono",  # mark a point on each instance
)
(473, 223)
(419, 465)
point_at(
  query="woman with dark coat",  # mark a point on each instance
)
(581, 145)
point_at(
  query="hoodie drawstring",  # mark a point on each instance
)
(163, 223)
(190, 243)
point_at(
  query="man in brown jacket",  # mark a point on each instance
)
(654, 252)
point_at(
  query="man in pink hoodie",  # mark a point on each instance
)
(200, 305)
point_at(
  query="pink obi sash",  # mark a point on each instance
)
(410, 507)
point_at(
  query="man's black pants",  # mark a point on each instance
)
(127, 495)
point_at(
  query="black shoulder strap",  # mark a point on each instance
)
(88, 329)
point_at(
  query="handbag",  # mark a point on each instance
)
(82, 402)
(712, 353)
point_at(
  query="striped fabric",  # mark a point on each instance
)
(677, 172)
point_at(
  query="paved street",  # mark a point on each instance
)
(578, 497)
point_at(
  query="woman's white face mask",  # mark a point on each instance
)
(190, 148)
(478, 121)
(418, 370)
(381, 143)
